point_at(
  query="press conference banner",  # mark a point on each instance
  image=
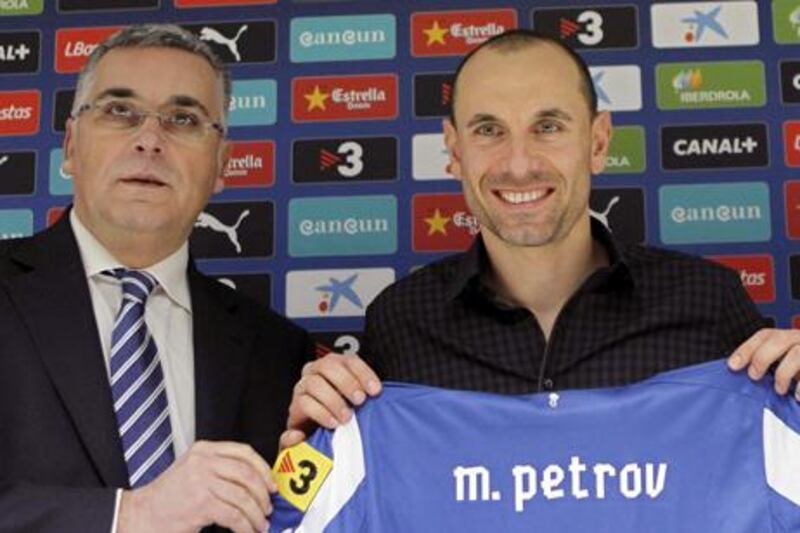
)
(338, 183)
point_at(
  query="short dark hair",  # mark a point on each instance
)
(520, 38)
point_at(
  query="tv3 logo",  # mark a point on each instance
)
(353, 163)
(588, 25)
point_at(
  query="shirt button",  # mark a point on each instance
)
(548, 384)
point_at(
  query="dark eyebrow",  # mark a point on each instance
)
(481, 118)
(554, 112)
(181, 100)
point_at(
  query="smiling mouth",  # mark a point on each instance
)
(523, 197)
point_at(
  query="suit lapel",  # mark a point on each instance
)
(221, 350)
(53, 299)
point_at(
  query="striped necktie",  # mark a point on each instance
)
(137, 383)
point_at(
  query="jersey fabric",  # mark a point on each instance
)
(697, 449)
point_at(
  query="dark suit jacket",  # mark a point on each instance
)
(60, 454)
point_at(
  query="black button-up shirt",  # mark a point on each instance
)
(649, 311)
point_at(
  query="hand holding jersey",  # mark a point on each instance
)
(696, 449)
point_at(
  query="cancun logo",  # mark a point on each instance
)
(343, 38)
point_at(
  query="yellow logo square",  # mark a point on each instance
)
(300, 472)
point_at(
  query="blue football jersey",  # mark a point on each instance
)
(697, 449)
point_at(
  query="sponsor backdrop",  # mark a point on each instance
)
(338, 186)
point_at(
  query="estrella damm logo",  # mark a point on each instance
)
(360, 97)
(300, 472)
(449, 33)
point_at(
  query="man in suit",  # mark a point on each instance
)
(136, 394)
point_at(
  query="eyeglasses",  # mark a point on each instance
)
(121, 115)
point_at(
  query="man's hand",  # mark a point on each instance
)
(324, 393)
(223, 483)
(766, 347)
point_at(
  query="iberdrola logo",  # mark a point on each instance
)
(688, 79)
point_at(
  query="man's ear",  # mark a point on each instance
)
(451, 142)
(601, 140)
(68, 149)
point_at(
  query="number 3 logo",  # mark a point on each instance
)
(593, 31)
(305, 477)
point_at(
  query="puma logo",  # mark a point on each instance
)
(206, 220)
(210, 34)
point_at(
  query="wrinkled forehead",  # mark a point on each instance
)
(158, 76)
(531, 74)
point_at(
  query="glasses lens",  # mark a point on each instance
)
(117, 114)
(184, 123)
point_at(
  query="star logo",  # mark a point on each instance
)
(316, 99)
(337, 289)
(436, 34)
(437, 223)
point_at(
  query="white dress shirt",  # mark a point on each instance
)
(168, 315)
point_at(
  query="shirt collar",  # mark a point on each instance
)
(474, 263)
(170, 272)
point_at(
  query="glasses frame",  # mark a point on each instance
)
(142, 115)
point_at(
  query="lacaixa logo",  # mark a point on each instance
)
(17, 172)
(334, 293)
(715, 213)
(701, 24)
(343, 38)
(791, 142)
(429, 157)
(252, 164)
(710, 85)
(590, 27)
(433, 94)
(19, 112)
(75, 45)
(714, 146)
(364, 97)
(448, 33)
(757, 273)
(221, 3)
(442, 223)
(791, 195)
(618, 87)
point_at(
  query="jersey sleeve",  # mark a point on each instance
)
(320, 483)
(781, 433)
